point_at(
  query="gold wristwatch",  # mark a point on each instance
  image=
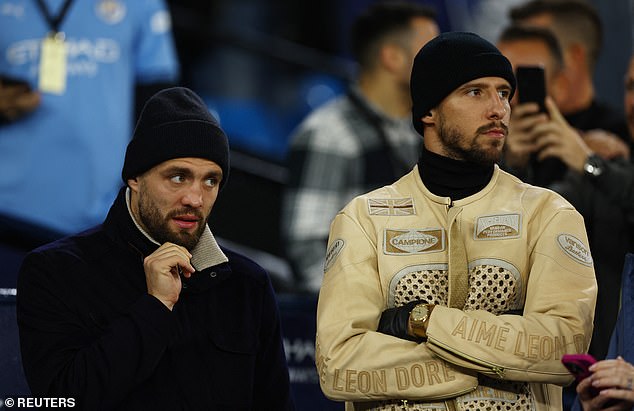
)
(418, 320)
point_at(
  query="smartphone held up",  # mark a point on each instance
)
(531, 85)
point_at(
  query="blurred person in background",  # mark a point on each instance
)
(359, 141)
(70, 72)
(536, 137)
(536, 46)
(577, 26)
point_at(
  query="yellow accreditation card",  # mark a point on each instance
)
(53, 64)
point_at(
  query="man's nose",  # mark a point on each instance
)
(193, 196)
(499, 106)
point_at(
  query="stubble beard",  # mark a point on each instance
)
(158, 227)
(475, 153)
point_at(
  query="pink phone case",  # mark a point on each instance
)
(578, 364)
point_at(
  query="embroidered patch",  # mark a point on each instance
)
(575, 249)
(495, 227)
(400, 242)
(333, 252)
(391, 206)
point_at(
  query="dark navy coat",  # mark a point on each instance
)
(89, 330)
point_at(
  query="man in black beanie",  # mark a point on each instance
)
(458, 287)
(147, 311)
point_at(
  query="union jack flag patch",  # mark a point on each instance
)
(391, 206)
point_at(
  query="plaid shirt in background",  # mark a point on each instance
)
(343, 149)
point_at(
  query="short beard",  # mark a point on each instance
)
(158, 226)
(452, 138)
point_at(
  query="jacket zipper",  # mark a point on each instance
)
(498, 370)
(445, 398)
(404, 405)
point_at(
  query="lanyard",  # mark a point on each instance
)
(54, 22)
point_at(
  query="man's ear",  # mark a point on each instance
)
(578, 53)
(133, 183)
(429, 118)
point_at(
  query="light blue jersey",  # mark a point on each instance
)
(60, 166)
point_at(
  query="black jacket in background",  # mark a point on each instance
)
(89, 330)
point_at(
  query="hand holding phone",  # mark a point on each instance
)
(531, 85)
(578, 365)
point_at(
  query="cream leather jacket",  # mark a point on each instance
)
(526, 249)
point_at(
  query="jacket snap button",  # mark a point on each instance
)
(212, 274)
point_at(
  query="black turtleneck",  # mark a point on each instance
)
(451, 178)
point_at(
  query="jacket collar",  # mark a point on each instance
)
(456, 179)
(120, 224)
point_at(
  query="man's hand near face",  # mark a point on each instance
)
(521, 139)
(556, 138)
(162, 272)
(551, 136)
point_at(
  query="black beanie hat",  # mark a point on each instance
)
(447, 62)
(175, 123)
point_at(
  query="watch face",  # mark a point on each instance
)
(419, 312)
(592, 166)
